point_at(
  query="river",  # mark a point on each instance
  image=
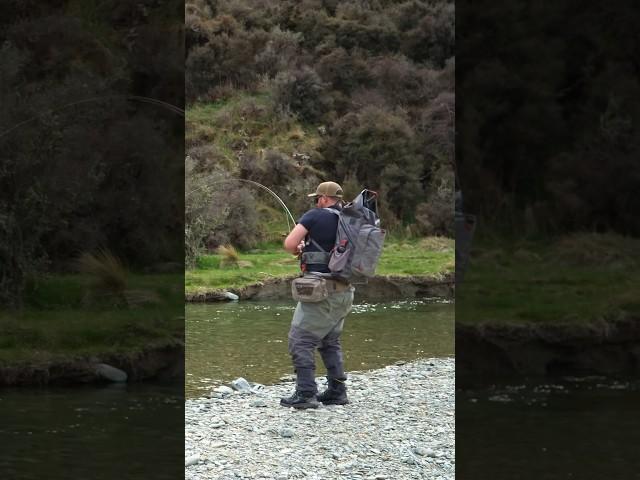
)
(249, 339)
(114, 431)
(585, 428)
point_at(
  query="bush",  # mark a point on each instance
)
(379, 148)
(343, 70)
(301, 91)
(435, 216)
(279, 52)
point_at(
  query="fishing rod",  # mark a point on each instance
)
(267, 189)
(138, 98)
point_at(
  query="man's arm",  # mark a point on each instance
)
(293, 240)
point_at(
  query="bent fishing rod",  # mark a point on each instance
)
(266, 189)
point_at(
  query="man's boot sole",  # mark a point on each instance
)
(335, 402)
(305, 406)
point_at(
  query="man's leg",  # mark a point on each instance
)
(302, 346)
(331, 352)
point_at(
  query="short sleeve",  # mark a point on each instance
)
(309, 219)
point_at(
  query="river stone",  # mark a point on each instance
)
(286, 432)
(224, 390)
(110, 373)
(241, 385)
(281, 440)
(192, 460)
(231, 296)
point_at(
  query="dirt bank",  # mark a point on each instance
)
(380, 288)
(487, 352)
(157, 363)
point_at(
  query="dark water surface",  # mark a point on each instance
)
(108, 432)
(574, 428)
(249, 339)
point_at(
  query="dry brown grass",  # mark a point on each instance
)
(597, 249)
(106, 269)
(229, 255)
(437, 244)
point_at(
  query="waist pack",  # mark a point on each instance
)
(314, 288)
(309, 289)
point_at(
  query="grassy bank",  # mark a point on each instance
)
(427, 256)
(62, 320)
(576, 278)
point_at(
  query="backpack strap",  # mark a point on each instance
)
(332, 210)
(317, 245)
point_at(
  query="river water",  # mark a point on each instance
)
(249, 339)
(107, 432)
(583, 428)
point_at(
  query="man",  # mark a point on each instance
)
(318, 324)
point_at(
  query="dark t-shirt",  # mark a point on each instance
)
(322, 226)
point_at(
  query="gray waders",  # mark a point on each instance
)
(319, 325)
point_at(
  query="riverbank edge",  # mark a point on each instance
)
(160, 362)
(379, 288)
(487, 353)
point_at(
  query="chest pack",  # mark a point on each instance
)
(359, 240)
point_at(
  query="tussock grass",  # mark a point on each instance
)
(106, 270)
(229, 256)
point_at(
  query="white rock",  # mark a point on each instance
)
(241, 385)
(110, 373)
(231, 296)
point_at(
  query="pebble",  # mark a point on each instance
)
(224, 390)
(399, 424)
(241, 385)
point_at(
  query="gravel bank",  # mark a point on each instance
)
(399, 425)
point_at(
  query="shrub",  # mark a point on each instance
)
(279, 52)
(301, 91)
(379, 148)
(435, 216)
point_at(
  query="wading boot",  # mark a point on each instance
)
(300, 400)
(336, 394)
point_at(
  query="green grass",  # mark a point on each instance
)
(59, 320)
(579, 278)
(428, 256)
(37, 335)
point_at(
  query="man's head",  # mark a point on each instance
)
(327, 194)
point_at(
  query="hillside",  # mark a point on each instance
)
(289, 94)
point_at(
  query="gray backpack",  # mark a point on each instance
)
(359, 240)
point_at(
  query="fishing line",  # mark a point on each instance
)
(267, 189)
(149, 100)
